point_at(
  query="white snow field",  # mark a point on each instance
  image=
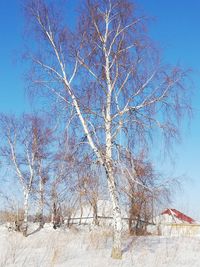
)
(91, 248)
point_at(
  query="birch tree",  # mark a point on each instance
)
(43, 137)
(108, 71)
(20, 150)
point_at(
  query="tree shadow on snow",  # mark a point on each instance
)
(128, 246)
(35, 231)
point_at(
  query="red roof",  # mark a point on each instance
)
(179, 215)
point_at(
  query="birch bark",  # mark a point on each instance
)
(41, 203)
(26, 207)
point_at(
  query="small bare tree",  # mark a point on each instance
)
(111, 75)
(62, 174)
(144, 189)
(89, 186)
(139, 186)
(20, 150)
(43, 137)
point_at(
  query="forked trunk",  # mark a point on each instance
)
(117, 219)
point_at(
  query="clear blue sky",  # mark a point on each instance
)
(176, 29)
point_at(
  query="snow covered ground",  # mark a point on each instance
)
(92, 248)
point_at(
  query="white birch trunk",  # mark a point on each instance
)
(25, 224)
(41, 204)
(117, 220)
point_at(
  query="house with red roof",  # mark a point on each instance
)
(178, 217)
(172, 222)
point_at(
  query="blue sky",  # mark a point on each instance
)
(176, 29)
(11, 87)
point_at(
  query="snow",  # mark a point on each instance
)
(91, 248)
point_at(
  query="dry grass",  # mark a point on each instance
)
(11, 216)
(98, 239)
(13, 250)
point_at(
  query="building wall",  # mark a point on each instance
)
(175, 229)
